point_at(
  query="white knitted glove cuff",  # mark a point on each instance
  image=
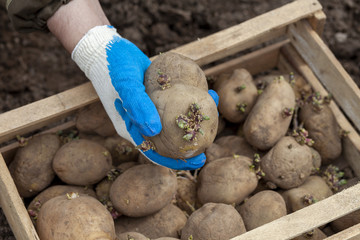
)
(90, 55)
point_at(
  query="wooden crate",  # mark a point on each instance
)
(293, 31)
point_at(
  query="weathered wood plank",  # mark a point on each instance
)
(317, 22)
(13, 207)
(308, 218)
(351, 144)
(41, 113)
(327, 69)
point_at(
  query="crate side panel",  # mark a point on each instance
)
(351, 144)
(327, 68)
(13, 206)
(306, 219)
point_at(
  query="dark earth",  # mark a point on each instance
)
(34, 65)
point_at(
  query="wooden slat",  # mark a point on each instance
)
(13, 206)
(250, 33)
(308, 218)
(255, 62)
(41, 113)
(351, 144)
(351, 233)
(8, 151)
(317, 22)
(327, 68)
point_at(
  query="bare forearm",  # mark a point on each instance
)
(70, 23)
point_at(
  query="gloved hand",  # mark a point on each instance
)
(116, 68)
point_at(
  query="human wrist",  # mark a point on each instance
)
(73, 20)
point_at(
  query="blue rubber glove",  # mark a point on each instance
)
(116, 68)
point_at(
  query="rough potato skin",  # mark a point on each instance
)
(186, 194)
(81, 218)
(188, 85)
(227, 180)
(314, 186)
(265, 124)
(230, 95)
(82, 162)
(31, 168)
(262, 208)
(165, 223)
(121, 150)
(180, 69)
(324, 130)
(143, 190)
(55, 191)
(94, 119)
(288, 164)
(236, 145)
(213, 221)
(170, 142)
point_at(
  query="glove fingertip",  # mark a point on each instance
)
(214, 96)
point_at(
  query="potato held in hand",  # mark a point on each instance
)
(270, 117)
(189, 117)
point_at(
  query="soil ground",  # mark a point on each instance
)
(34, 66)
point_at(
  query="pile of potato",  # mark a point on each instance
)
(275, 152)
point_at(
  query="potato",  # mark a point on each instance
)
(213, 221)
(298, 83)
(188, 114)
(346, 221)
(82, 162)
(186, 194)
(54, 191)
(121, 150)
(94, 119)
(131, 236)
(237, 95)
(267, 121)
(236, 145)
(226, 180)
(143, 190)
(315, 234)
(312, 190)
(75, 217)
(165, 223)
(262, 208)
(323, 129)
(215, 151)
(31, 167)
(288, 164)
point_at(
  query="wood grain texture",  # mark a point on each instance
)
(327, 68)
(13, 206)
(308, 218)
